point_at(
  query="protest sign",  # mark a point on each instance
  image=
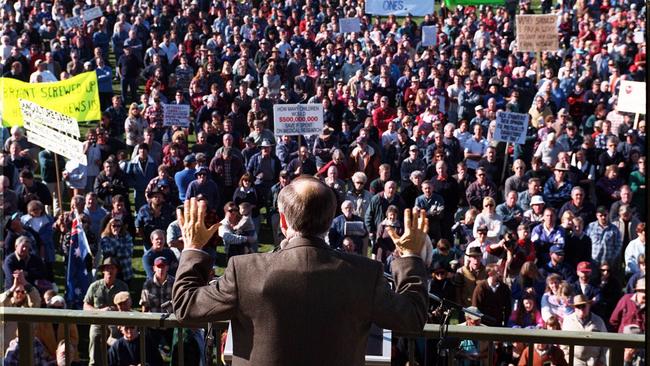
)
(298, 119)
(349, 25)
(92, 13)
(511, 127)
(429, 35)
(537, 33)
(32, 111)
(72, 22)
(77, 97)
(400, 8)
(451, 4)
(631, 97)
(40, 132)
(176, 115)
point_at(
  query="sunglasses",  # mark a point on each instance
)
(116, 225)
(581, 306)
(19, 291)
(233, 210)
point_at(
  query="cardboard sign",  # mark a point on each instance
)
(631, 97)
(537, 33)
(49, 118)
(298, 119)
(429, 35)
(72, 22)
(400, 8)
(176, 115)
(92, 13)
(349, 25)
(39, 132)
(511, 127)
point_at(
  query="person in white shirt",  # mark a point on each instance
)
(475, 148)
(635, 249)
(42, 74)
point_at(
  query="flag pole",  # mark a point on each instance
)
(58, 182)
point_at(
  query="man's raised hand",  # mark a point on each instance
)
(192, 223)
(415, 233)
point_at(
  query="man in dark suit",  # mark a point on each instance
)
(305, 304)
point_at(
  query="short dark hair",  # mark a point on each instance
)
(308, 205)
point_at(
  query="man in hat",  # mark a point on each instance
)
(466, 276)
(128, 70)
(265, 167)
(157, 213)
(556, 264)
(156, 291)
(205, 186)
(185, 176)
(100, 296)
(583, 320)
(584, 284)
(472, 350)
(630, 309)
(557, 189)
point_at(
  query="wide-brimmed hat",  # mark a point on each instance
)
(562, 167)
(266, 143)
(473, 251)
(580, 300)
(473, 313)
(109, 261)
(536, 200)
(327, 132)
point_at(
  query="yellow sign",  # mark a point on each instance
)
(77, 97)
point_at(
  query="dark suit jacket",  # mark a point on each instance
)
(305, 304)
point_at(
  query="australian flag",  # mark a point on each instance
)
(78, 278)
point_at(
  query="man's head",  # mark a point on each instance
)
(307, 207)
(160, 267)
(157, 240)
(347, 208)
(577, 196)
(109, 270)
(582, 306)
(389, 189)
(122, 300)
(601, 215)
(23, 246)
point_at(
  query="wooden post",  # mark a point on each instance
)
(636, 121)
(539, 65)
(505, 163)
(58, 182)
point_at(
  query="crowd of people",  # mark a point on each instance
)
(548, 234)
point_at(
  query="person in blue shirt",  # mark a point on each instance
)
(185, 176)
(159, 249)
(204, 186)
(140, 172)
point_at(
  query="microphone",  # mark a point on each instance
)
(444, 301)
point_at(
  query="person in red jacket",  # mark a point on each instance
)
(383, 114)
(630, 308)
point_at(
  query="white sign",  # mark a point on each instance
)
(49, 118)
(92, 13)
(40, 133)
(511, 127)
(73, 22)
(537, 33)
(631, 97)
(298, 119)
(176, 115)
(349, 25)
(400, 8)
(429, 35)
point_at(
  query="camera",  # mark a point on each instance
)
(509, 240)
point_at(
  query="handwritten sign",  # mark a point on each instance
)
(92, 13)
(429, 35)
(511, 127)
(349, 25)
(298, 119)
(48, 118)
(631, 97)
(537, 33)
(41, 131)
(72, 22)
(176, 115)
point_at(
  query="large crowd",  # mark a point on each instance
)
(547, 234)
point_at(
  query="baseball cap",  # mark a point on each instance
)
(159, 261)
(557, 249)
(121, 297)
(584, 267)
(191, 158)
